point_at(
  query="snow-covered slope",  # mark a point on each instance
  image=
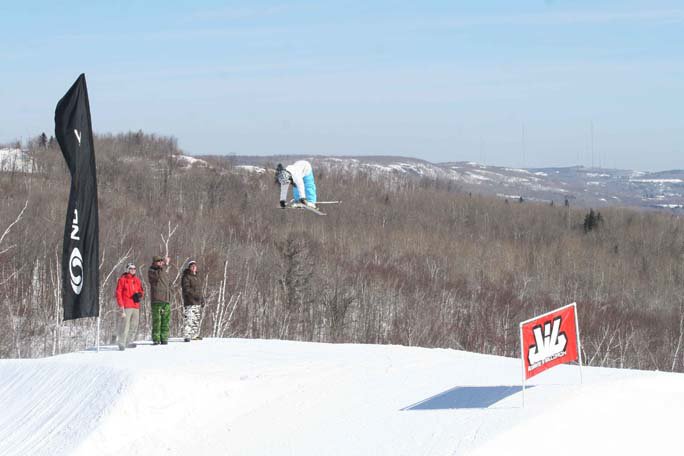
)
(188, 161)
(14, 160)
(259, 397)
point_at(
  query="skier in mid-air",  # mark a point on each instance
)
(301, 175)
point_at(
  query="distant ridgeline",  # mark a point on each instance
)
(578, 186)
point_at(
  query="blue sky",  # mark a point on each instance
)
(514, 83)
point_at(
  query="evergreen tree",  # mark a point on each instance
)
(592, 220)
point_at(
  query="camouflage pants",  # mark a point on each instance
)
(193, 317)
(161, 316)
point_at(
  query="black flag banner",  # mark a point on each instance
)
(80, 251)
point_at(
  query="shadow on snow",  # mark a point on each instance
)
(466, 397)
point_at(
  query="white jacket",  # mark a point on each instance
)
(298, 170)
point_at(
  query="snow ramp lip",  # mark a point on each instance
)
(50, 407)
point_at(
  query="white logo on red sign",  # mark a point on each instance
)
(549, 344)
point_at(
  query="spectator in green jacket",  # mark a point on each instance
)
(160, 295)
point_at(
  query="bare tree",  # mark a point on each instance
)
(9, 228)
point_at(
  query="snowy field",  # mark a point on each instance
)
(268, 397)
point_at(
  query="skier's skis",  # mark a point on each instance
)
(304, 206)
(297, 205)
(328, 202)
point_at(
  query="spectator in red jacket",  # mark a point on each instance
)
(129, 294)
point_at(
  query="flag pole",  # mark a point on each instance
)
(522, 362)
(97, 336)
(579, 345)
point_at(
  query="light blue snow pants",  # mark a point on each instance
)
(309, 189)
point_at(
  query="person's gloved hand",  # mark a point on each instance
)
(137, 297)
(282, 204)
(302, 200)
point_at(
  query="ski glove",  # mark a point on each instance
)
(282, 204)
(302, 200)
(137, 297)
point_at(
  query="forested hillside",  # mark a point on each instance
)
(402, 261)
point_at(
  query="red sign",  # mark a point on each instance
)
(549, 340)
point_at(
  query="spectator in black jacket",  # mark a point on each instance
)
(192, 302)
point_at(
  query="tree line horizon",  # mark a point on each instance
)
(403, 260)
